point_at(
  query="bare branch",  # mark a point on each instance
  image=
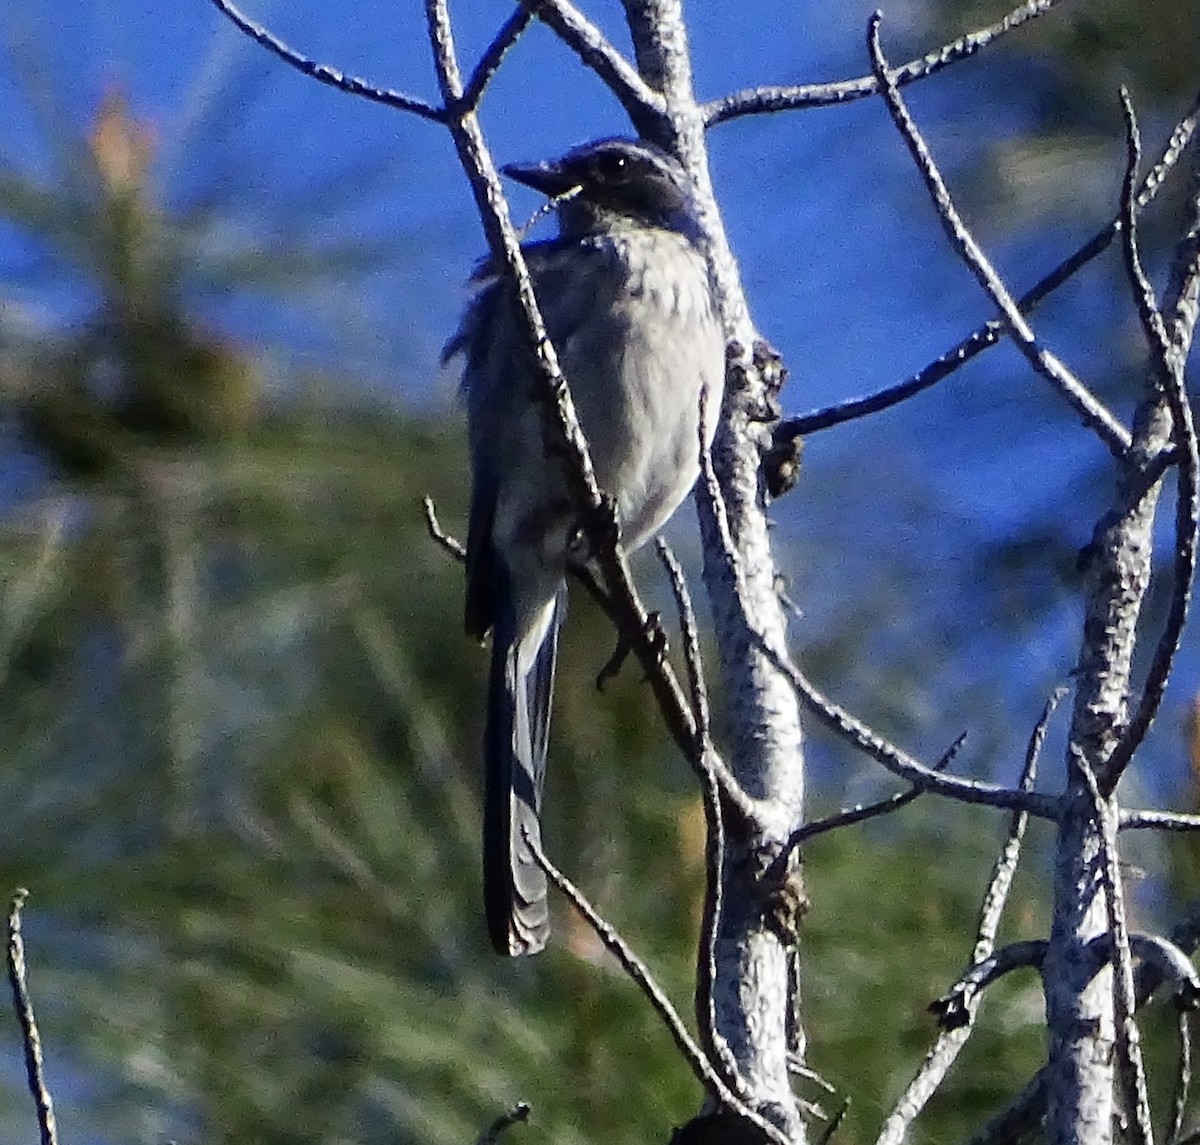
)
(1169, 351)
(899, 762)
(1181, 308)
(1128, 1039)
(714, 839)
(710, 496)
(1005, 869)
(1170, 964)
(1158, 820)
(636, 969)
(956, 1013)
(489, 62)
(352, 85)
(958, 1007)
(716, 1048)
(1091, 411)
(518, 1113)
(30, 1038)
(1026, 1111)
(644, 106)
(1143, 292)
(765, 99)
(862, 812)
(1183, 1078)
(709, 489)
(691, 637)
(451, 544)
(987, 335)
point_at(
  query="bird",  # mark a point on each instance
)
(624, 292)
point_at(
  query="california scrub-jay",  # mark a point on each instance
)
(625, 295)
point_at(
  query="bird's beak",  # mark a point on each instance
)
(547, 177)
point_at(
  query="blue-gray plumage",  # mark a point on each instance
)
(624, 293)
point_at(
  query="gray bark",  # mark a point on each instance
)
(755, 963)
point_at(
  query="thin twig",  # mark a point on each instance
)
(1158, 821)
(493, 55)
(1183, 1077)
(644, 106)
(860, 813)
(711, 498)
(980, 339)
(518, 1113)
(636, 969)
(691, 637)
(899, 762)
(451, 544)
(958, 1007)
(1128, 1040)
(1168, 350)
(991, 332)
(30, 1038)
(714, 821)
(835, 1124)
(1089, 408)
(1143, 292)
(509, 33)
(352, 85)
(764, 99)
(1005, 869)
(716, 1048)
(802, 1069)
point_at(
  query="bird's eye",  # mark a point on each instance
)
(611, 167)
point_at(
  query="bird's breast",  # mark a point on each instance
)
(637, 365)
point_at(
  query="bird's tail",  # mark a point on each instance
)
(520, 691)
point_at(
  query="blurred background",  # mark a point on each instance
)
(239, 772)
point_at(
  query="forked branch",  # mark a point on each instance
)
(1046, 364)
(765, 99)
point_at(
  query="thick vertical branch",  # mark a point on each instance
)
(755, 984)
(1079, 1007)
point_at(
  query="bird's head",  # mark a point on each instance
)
(613, 183)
